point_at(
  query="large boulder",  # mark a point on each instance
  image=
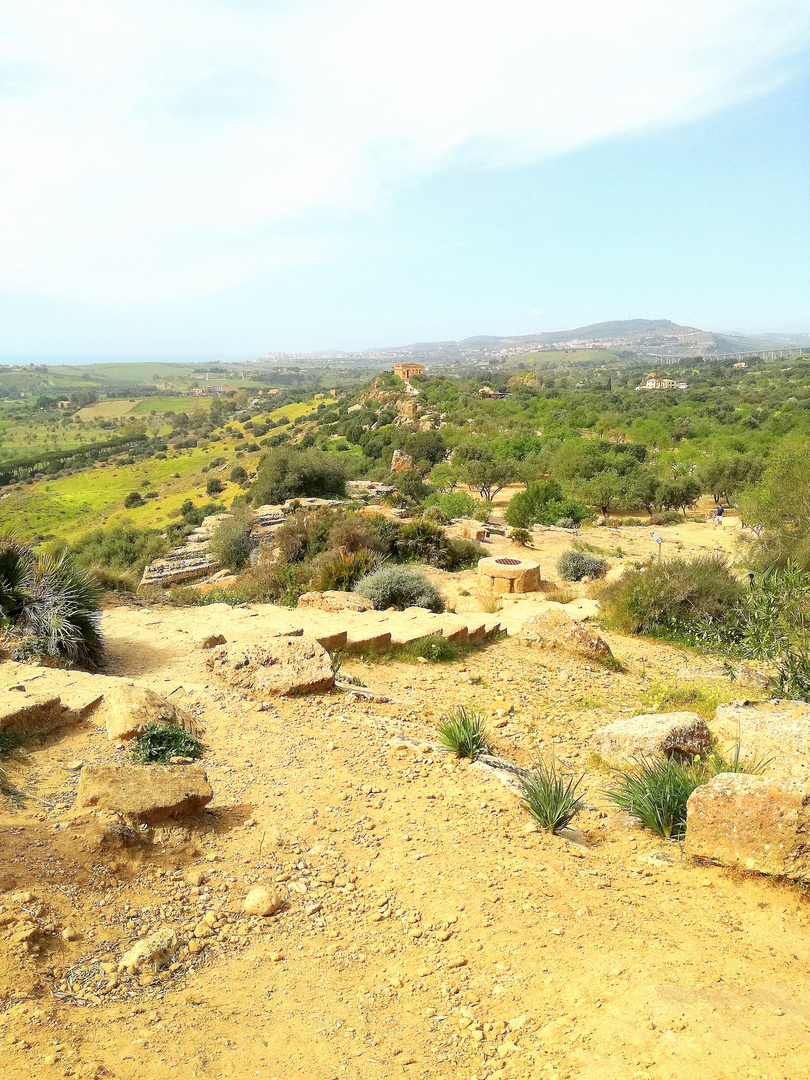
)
(126, 710)
(279, 667)
(149, 793)
(751, 822)
(555, 628)
(333, 600)
(776, 732)
(27, 714)
(652, 735)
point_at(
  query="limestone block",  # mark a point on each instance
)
(149, 793)
(652, 735)
(26, 714)
(281, 666)
(127, 710)
(751, 822)
(774, 731)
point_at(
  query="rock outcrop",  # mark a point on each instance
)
(280, 667)
(126, 710)
(556, 629)
(148, 793)
(333, 600)
(652, 735)
(26, 714)
(751, 822)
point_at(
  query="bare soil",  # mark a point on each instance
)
(427, 932)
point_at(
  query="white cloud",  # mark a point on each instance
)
(157, 148)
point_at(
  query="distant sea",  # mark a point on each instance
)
(87, 358)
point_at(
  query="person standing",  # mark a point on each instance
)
(720, 512)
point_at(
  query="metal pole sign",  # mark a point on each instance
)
(658, 541)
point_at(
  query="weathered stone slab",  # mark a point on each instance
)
(126, 710)
(774, 731)
(281, 666)
(652, 735)
(751, 822)
(149, 793)
(555, 628)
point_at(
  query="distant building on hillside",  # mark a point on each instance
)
(652, 382)
(62, 404)
(741, 364)
(406, 370)
(209, 390)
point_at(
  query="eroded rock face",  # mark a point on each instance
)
(127, 710)
(24, 714)
(652, 735)
(149, 793)
(280, 667)
(333, 600)
(775, 732)
(556, 629)
(751, 822)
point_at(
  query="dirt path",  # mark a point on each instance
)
(427, 933)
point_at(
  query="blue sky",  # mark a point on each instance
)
(229, 178)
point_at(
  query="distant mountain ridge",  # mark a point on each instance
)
(654, 334)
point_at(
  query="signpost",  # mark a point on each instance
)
(658, 541)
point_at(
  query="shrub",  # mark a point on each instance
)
(565, 523)
(157, 744)
(463, 733)
(543, 503)
(679, 596)
(520, 536)
(576, 565)
(400, 587)
(289, 473)
(550, 797)
(214, 486)
(656, 792)
(133, 499)
(341, 568)
(112, 580)
(464, 554)
(456, 504)
(120, 547)
(238, 474)
(231, 541)
(51, 602)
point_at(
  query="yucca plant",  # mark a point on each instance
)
(656, 792)
(463, 733)
(551, 796)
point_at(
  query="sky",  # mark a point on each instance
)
(235, 177)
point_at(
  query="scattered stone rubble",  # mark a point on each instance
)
(333, 600)
(555, 628)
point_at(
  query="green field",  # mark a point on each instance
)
(171, 404)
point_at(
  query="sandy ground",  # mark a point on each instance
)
(427, 932)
